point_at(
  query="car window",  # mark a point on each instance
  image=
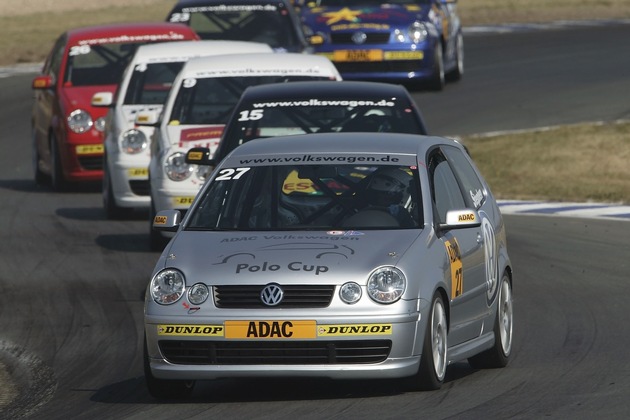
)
(151, 83)
(212, 100)
(102, 64)
(311, 197)
(467, 176)
(53, 67)
(268, 24)
(317, 115)
(445, 190)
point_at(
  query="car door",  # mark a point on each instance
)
(45, 100)
(464, 247)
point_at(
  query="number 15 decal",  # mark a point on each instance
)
(253, 115)
(228, 174)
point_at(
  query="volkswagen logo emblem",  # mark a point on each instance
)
(271, 295)
(359, 37)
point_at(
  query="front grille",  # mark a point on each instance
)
(139, 187)
(377, 66)
(91, 163)
(371, 38)
(275, 352)
(295, 296)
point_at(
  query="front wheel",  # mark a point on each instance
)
(499, 355)
(433, 362)
(438, 79)
(165, 389)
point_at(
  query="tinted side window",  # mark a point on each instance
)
(56, 57)
(444, 187)
(467, 176)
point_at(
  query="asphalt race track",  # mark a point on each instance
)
(72, 282)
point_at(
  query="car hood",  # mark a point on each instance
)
(80, 97)
(285, 257)
(325, 19)
(130, 112)
(188, 136)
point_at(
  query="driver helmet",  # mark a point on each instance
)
(388, 186)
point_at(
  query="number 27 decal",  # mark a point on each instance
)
(228, 174)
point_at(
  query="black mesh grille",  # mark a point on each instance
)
(377, 66)
(275, 352)
(248, 297)
(139, 187)
(371, 38)
(91, 163)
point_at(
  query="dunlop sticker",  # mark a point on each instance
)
(354, 330)
(190, 330)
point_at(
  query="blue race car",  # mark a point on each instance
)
(418, 42)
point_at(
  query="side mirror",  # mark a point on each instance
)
(102, 99)
(167, 220)
(199, 156)
(458, 219)
(42, 82)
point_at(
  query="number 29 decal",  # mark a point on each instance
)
(229, 174)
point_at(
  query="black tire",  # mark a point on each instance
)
(57, 179)
(165, 389)
(499, 355)
(457, 73)
(438, 79)
(39, 177)
(433, 362)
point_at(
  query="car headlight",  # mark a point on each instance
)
(100, 124)
(80, 121)
(204, 171)
(168, 286)
(418, 32)
(133, 141)
(176, 167)
(386, 284)
(350, 292)
(198, 293)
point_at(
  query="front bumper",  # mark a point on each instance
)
(352, 355)
(129, 176)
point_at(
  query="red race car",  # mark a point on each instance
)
(67, 129)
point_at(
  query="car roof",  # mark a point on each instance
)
(340, 143)
(274, 63)
(121, 32)
(193, 3)
(186, 49)
(350, 89)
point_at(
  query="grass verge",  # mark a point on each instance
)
(581, 163)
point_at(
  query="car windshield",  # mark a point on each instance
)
(319, 115)
(212, 100)
(101, 64)
(150, 83)
(266, 23)
(310, 197)
(355, 3)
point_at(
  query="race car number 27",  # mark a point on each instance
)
(230, 173)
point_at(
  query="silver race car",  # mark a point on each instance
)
(339, 255)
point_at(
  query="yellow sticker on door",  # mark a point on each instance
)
(457, 272)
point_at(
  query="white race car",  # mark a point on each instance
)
(196, 111)
(145, 86)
